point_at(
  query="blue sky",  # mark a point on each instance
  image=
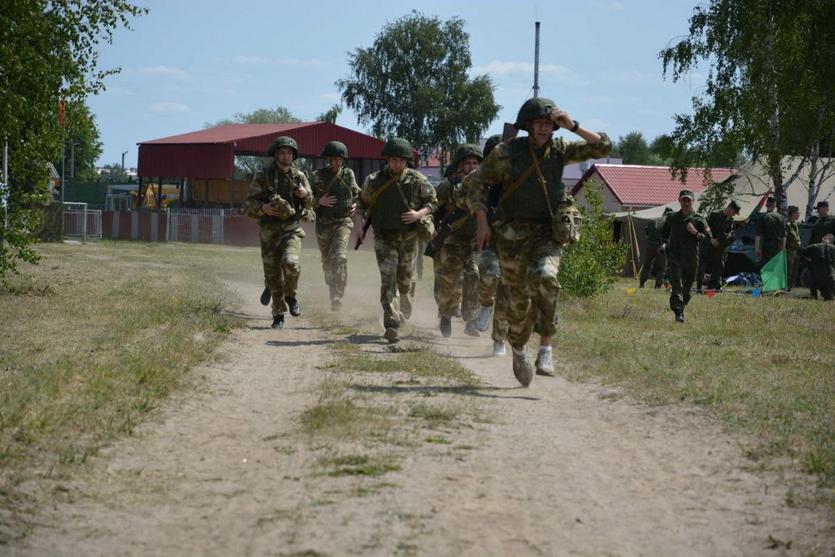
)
(187, 63)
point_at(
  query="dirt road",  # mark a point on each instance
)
(556, 469)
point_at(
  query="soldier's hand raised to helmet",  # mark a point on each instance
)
(561, 118)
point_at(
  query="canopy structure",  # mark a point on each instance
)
(209, 155)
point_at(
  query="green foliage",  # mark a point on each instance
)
(48, 52)
(330, 115)
(413, 83)
(635, 150)
(113, 173)
(715, 197)
(595, 262)
(769, 86)
(82, 144)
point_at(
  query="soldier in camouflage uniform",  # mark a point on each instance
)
(824, 224)
(336, 192)
(279, 197)
(821, 257)
(459, 265)
(714, 251)
(682, 233)
(770, 238)
(398, 200)
(492, 294)
(529, 170)
(450, 175)
(655, 260)
(792, 245)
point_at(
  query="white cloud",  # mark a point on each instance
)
(610, 5)
(162, 71)
(329, 97)
(560, 74)
(266, 61)
(169, 108)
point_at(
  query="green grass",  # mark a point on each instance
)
(765, 366)
(102, 333)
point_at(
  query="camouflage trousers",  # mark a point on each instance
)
(492, 291)
(396, 252)
(333, 245)
(436, 270)
(280, 251)
(459, 278)
(530, 263)
(682, 275)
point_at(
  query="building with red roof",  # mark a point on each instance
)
(634, 187)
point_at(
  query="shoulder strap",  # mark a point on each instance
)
(542, 182)
(524, 176)
(379, 191)
(331, 183)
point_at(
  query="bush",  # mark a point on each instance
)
(595, 262)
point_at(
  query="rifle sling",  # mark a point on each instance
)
(524, 176)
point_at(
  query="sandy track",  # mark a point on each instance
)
(560, 469)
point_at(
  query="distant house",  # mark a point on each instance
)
(635, 187)
(572, 173)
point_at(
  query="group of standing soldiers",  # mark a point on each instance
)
(499, 244)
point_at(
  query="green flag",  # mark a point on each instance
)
(774, 273)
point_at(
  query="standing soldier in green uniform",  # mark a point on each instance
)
(655, 260)
(821, 258)
(336, 192)
(492, 293)
(459, 265)
(824, 224)
(771, 233)
(714, 251)
(682, 232)
(279, 197)
(792, 245)
(399, 202)
(529, 232)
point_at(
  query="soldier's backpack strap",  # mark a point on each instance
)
(337, 176)
(524, 176)
(376, 195)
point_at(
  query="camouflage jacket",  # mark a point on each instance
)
(497, 168)
(344, 189)
(451, 198)
(270, 182)
(413, 186)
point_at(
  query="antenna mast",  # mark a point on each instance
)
(536, 64)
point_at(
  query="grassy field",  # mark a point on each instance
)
(97, 336)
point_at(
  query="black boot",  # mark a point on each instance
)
(278, 321)
(293, 306)
(265, 297)
(446, 327)
(679, 315)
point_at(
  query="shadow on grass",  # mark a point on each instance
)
(465, 390)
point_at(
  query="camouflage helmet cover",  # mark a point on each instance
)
(335, 149)
(491, 143)
(398, 147)
(284, 141)
(467, 150)
(532, 109)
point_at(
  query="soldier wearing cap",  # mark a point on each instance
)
(335, 192)
(770, 237)
(459, 266)
(792, 245)
(682, 233)
(280, 197)
(528, 238)
(825, 223)
(714, 251)
(399, 201)
(821, 257)
(655, 259)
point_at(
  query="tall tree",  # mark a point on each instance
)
(770, 89)
(413, 82)
(635, 150)
(330, 115)
(82, 143)
(48, 52)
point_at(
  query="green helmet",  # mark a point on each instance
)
(335, 149)
(532, 109)
(491, 143)
(398, 147)
(467, 150)
(284, 141)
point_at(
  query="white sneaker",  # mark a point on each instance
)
(498, 348)
(482, 318)
(545, 363)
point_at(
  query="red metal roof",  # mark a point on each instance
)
(209, 153)
(636, 185)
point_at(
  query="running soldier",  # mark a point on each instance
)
(336, 192)
(279, 197)
(459, 265)
(714, 251)
(529, 233)
(399, 202)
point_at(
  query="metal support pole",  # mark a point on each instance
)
(536, 64)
